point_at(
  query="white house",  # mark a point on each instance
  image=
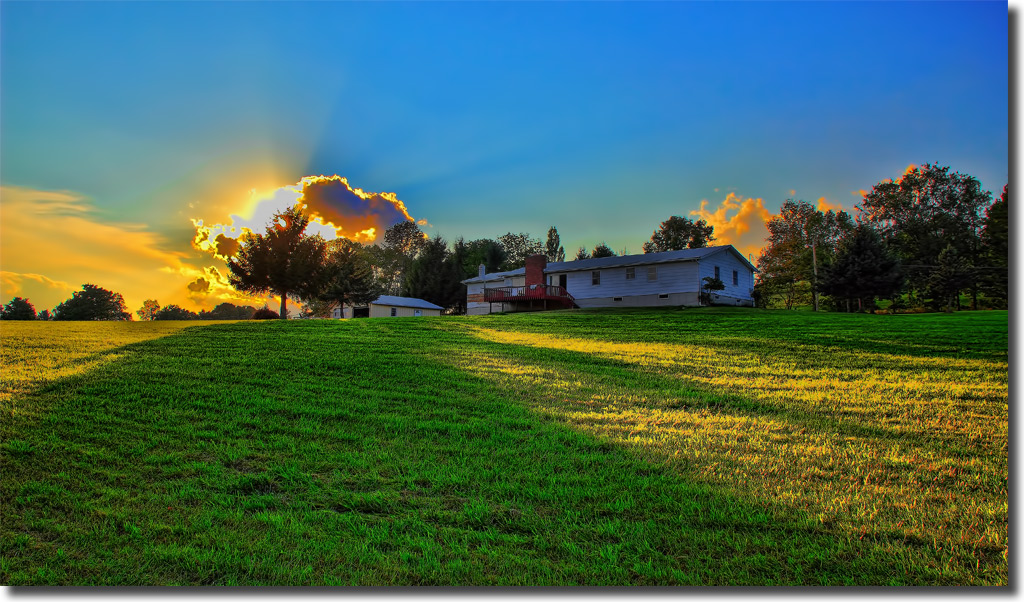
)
(672, 278)
(388, 306)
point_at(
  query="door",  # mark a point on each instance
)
(562, 280)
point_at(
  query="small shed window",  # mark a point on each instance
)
(394, 312)
(663, 296)
(595, 278)
(735, 278)
(630, 273)
(718, 274)
(652, 273)
(616, 298)
(417, 313)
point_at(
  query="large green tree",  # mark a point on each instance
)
(93, 303)
(677, 233)
(283, 261)
(517, 248)
(349, 278)
(925, 210)
(801, 239)
(18, 309)
(951, 275)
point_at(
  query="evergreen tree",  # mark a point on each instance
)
(602, 250)
(995, 242)
(553, 248)
(581, 253)
(432, 276)
(952, 275)
(863, 270)
(348, 277)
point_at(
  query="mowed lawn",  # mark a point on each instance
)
(647, 447)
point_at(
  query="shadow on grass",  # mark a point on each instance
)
(350, 454)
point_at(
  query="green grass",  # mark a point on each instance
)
(693, 447)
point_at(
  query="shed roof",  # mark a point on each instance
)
(405, 302)
(494, 276)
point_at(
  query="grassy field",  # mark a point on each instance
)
(689, 447)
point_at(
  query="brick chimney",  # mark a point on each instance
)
(535, 265)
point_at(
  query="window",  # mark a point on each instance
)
(717, 274)
(735, 278)
(663, 296)
(652, 273)
(394, 312)
(595, 278)
(616, 298)
(417, 313)
(630, 273)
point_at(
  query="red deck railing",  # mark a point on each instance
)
(530, 293)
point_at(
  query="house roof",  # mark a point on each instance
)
(644, 259)
(621, 261)
(494, 276)
(405, 302)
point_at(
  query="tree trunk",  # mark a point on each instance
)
(284, 305)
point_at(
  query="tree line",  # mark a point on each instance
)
(919, 242)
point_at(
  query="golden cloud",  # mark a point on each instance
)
(738, 221)
(336, 210)
(825, 205)
(52, 242)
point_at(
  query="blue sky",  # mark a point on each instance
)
(602, 119)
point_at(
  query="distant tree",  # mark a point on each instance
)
(581, 253)
(349, 278)
(18, 309)
(284, 260)
(393, 256)
(925, 210)
(148, 309)
(265, 313)
(677, 233)
(93, 303)
(553, 249)
(174, 312)
(709, 284)
(602, 250)
(228, 311)
(995, 244)
(44, 315)
(952, 275)
(318, 308)
(863, 270)
(517, 248)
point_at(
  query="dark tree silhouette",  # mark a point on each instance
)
(864, 269)
(348, 277)
(602, 250)
(174, 312)
(18, 309)
(92, 303)
(283, 261)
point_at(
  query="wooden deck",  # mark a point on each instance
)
(534, 296)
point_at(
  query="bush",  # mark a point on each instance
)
(265, 313)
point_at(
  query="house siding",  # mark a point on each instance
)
(676, 277)
(384, 311)
(733, 294)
